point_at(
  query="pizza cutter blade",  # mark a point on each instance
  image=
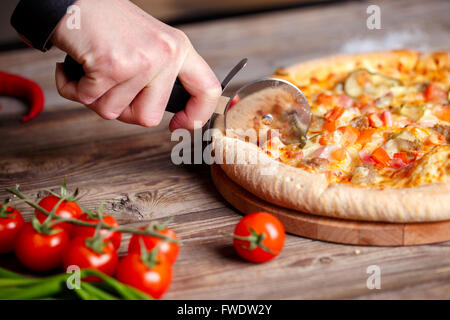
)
(276, 104)
(292, 106)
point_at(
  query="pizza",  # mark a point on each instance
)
(378, 147)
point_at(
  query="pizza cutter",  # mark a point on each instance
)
(294, 105)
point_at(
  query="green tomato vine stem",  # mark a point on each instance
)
(255, 240)
(57, 219)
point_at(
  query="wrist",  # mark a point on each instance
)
(35, 21)
(68, 29)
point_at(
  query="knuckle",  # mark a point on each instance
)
(118, 69)
(85, 100)
(146, 63)
(108, 114)
(148, 121)
(90, 60)
(182, 38)
(108, 65)
(173, 43)
(97, 62)
(87, 97)
(213, 89)
(169, 46)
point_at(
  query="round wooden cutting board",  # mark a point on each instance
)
(331, 229)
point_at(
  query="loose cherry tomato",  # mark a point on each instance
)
(65, 209)
(11, 221)
(80, 254)
(259, 237)
(40, 252)
(154, 281)
(167, 249)
(114, 237)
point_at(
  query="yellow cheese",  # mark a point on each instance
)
(432, 168)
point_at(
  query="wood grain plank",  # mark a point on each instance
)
(177, 9)
(414, 234)
(130, 168)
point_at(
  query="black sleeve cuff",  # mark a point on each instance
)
(35, 20)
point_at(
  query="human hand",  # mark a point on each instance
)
(131, 61)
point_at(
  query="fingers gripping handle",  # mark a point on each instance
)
(177, 101)
(179, 95)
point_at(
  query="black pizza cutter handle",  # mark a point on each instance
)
(179, 95)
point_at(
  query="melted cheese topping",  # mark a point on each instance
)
(372, 129)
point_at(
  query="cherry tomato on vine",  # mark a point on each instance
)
(155, 281)
(66, 209)
(259, 237)
(169, 250)
(101, 256)
(38, 251)
(11, 221)
(114, 237)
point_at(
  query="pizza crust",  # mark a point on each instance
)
(309, 192)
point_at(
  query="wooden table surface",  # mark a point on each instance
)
(130, 168)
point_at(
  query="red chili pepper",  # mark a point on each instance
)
(19, 87)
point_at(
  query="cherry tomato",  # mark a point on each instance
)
(10, 225)
(264, 237)
(114, 237)
(134, 272)
(167, 249)
(40, 252)
(65, 209)
(80, 254)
